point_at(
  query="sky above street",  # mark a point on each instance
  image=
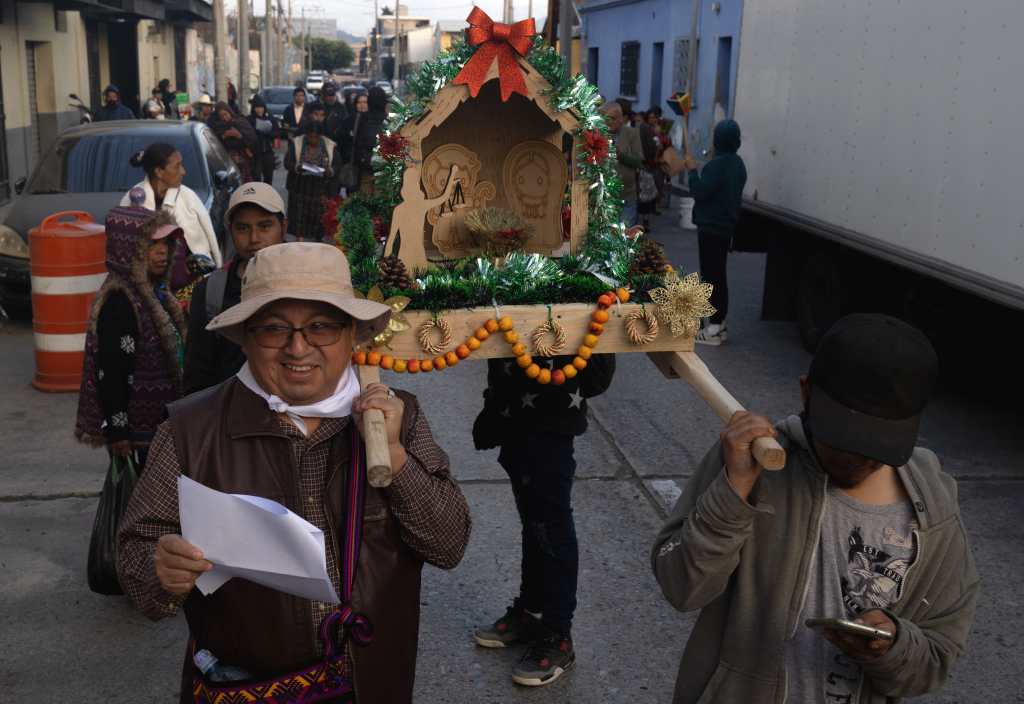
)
(356, 16)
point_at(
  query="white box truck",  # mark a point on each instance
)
(885, 151)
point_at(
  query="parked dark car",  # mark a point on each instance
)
(87, 169)
(278, 98)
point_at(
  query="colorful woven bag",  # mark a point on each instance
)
(329, 680)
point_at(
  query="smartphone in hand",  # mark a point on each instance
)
(844, 626)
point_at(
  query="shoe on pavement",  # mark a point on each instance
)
(712, 334)
(545, 660)
(516, 626)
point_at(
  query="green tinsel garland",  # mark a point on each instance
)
(604, 259)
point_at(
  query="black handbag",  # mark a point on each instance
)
(117, 490)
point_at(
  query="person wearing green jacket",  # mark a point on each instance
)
(859, 525)
(717, 191)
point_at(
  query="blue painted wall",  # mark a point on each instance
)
(609, 23)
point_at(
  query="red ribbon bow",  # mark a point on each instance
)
(499, 40)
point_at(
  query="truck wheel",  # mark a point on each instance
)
(819, 298)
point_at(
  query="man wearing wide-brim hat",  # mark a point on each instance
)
(286, 428)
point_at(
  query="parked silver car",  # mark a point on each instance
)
(87, 169)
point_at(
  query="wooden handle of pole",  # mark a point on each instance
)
(690, 367)
(375, 436)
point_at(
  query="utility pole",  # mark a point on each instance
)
(529, 10)
(288, 27)
(243, 54)
(508, 13)
(282, 50)
(565, 14)
(397, 53)
(302, 38)
(694, 21)
(376, 70)
(268, 45)
(220, 77)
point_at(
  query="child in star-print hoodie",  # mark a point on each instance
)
(535, 426)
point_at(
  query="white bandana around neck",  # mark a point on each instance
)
(337, 405)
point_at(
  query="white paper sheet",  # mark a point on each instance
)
(313, 170)
(256, 539)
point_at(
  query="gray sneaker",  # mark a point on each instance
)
(516, 626)
(547, 659)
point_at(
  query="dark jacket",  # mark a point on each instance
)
(335, 121)
(288, 118)
(718, 189)
(219, 436)
(515, 405)
(267, 128)
(211, 358)
(365, 139)
(116, 112)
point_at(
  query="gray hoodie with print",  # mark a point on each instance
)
(746, 566)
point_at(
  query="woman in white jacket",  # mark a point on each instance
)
(165, 191)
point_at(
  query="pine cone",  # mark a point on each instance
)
(394, 274)
(651, 259)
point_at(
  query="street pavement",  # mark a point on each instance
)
(646, 435)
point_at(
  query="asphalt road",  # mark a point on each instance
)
(60, 642)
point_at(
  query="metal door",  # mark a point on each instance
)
(33, 103)
(5, 174)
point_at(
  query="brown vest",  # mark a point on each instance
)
(227, 439)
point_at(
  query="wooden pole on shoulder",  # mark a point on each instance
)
(688, 366)
(375, 435)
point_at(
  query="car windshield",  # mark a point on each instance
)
(278, 95)
(98, 163)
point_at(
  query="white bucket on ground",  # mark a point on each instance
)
(686, 214)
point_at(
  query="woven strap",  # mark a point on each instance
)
(356, 624)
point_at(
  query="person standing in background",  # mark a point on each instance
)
(133, 347)
(292, 118)
(113, 108)
(202, 109)
(630, 155)
(312, 163)
(255, 218)
(163, 188)
(237, 136)
(717, 191)
(336, 113)
(169, 97)
(364, 139)
(267, 132)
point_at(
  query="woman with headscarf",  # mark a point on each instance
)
(134, 343)
(364, 139)
(237, 136)
(312, 163)
(163, 189)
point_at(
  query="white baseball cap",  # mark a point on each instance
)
(257, 193)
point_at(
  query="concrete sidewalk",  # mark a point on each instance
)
(63, 643)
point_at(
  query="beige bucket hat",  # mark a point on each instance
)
(307, 271)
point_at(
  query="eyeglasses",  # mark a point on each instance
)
(319, 334)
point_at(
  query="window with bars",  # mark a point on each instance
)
(629, 72)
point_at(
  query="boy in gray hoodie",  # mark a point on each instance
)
(859, 525)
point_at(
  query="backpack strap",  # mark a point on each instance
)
(216, 285)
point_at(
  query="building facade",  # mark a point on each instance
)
(49, 50)
(640, 50)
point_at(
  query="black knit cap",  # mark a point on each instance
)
(870, 380)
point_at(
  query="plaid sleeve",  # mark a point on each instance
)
(152, 512)
(428, 504)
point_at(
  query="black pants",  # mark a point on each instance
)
(714, 254)
(263, 168)
(541, 467)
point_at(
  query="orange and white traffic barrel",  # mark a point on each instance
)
(68, 264)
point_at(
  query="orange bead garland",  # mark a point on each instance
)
(506, 326)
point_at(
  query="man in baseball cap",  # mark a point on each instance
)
(255, 217)
(861, 526)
